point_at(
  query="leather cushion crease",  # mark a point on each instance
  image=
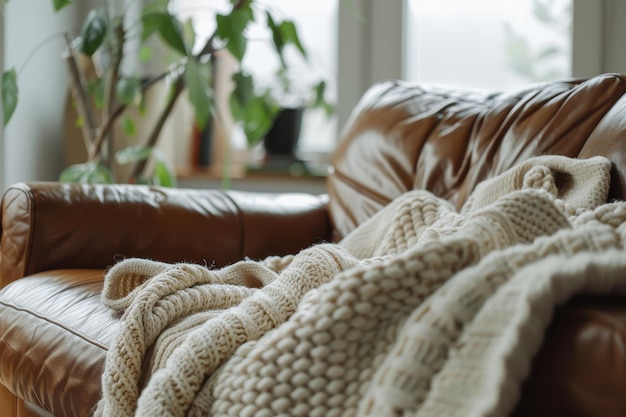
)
(404, 136)
(54, 339)
(171, 225)
(57, 240)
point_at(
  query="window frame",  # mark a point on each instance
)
(368, 27)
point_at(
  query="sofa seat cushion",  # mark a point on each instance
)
(54, 339)
(580, 370)
(55, 333)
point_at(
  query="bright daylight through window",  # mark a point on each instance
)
(316, 21)
(482, 44)
(488, 44)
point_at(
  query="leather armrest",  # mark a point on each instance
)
(579, 370)
(49, 225)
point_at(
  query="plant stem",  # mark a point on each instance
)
(80, 93)
(94, 150)
(140, 165)
(208, 49)
(109, 97)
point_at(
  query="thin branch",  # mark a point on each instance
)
(145, 86)
(94, 149)
(112, 77)
(39, 46)
(79, 90)
(116, 113)
(140, 166)
(208, 48)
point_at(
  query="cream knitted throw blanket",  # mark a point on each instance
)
(421, 311)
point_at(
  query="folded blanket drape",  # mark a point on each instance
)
(421, 310)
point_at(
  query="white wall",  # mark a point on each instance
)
(2, 164)
(33, 137)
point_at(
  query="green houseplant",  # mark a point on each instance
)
(291, 97)
(101, 96)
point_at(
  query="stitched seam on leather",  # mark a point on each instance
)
(56, 323)
(31, 230)
(21, 188)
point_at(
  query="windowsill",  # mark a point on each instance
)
(272, 179)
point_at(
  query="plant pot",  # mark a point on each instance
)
(281, 140)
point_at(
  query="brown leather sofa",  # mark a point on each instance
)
(58, 239)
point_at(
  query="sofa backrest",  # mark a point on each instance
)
(403, 136)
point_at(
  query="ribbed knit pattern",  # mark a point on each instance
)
(430, 337)
(421, 311)
(185, 289)
(574, 182)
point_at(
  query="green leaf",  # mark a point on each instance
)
(320, 90)
(163, 172)
(142, 105)
(132, 154)
(259, 117)
(277, 37)
(163, 176)
(80, 122)
(156, 6)
(199, 92)
(290, 35)
(231, 29)
(320, 98)
(128, 125)
(100, 175)
(97, 89)
(542, 12)
(59, 4)
(145, 53)
(93, 32)
(168, 28)
(89, 172)
(9, 94)
(328, 108)
(254, 113)
(244, 88)
(283, 34)
(73, 173)
(128, 90)
(189, 33)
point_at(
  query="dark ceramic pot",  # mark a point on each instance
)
(282, 139)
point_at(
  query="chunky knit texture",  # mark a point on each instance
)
(421, 311)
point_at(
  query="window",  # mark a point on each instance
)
(316, 21)
(490, 44)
